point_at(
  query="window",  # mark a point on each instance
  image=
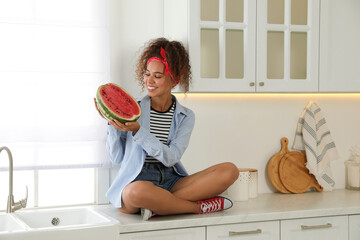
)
(54, 55)
(46, 188)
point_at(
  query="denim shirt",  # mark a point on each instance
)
(130, 150)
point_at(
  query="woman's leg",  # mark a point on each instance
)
(202, 185)
(207, 183)
(144, 194)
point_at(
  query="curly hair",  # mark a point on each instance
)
(176, 56)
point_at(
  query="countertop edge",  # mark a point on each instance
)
(266, 207)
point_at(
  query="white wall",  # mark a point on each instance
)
(132, 23)
(246, 128)
(242, 128)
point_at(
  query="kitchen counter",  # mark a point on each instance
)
(268, 206)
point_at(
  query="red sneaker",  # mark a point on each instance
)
(214, 204)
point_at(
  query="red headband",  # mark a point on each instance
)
(167, 68)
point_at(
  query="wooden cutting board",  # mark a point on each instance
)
(294, 175)
(273, 166)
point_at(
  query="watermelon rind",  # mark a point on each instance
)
(104, 113)
(108, 114)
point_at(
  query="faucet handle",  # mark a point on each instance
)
(22, 203)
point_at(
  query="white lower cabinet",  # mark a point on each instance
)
(250, 231)
(354, 227)
(329, 228)
(342, 227)
(196, 233)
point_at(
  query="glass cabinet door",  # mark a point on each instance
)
(222, 45)
(288, 34)
(248, 45)
(234, 54)
(209, 53)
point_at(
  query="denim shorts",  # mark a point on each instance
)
(160, 175)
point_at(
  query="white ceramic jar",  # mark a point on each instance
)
(352, 175)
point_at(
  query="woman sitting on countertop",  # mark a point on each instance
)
(152, 178)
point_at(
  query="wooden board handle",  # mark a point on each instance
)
(284, 145)
(317, 186)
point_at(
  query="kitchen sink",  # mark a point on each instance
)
(60, 218)
(8, 223)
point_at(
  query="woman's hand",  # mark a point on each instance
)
(129, 126)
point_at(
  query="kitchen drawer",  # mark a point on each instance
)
(249, 231)
(354, 227)
(196, 233)
(329, 228)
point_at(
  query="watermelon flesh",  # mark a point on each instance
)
(115, 103)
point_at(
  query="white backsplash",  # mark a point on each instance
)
(246, 128)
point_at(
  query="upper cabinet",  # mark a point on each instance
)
(222, 45)
(287, 45)
(339, 46)
(248, 45)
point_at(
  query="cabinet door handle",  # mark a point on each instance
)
(305, 227)
(261, 84)
(257, 231)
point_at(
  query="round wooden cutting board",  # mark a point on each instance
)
(294, 175)
(273, 166)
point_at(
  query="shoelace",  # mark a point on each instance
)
(212, 205)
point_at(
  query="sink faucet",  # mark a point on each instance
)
(11, 205)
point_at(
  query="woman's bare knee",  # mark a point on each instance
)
(229, 172)
(134, 194)
(207, 183)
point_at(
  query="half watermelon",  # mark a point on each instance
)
(115, 103)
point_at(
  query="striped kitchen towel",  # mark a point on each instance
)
(313, 137)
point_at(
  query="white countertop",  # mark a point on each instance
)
(266, 207)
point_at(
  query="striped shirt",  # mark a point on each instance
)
(160, 123)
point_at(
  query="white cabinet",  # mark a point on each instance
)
(249, 231)
(329, 228)
(269, 45)
(196, 233)
(221, 39)
(354, 227)
(236, 46)
(287, 45)
(339, 46)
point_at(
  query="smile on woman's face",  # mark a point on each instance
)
(157, 83)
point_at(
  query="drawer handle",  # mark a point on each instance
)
(257, 231)
(305, 227)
